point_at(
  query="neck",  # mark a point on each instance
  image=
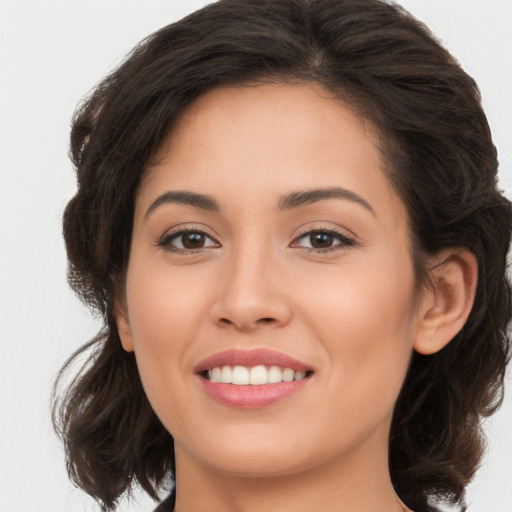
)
(353, 482)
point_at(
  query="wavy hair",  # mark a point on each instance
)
(441, 160)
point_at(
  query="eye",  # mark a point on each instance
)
(323, 240)
(187, 240)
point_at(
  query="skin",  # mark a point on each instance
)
(353, 313)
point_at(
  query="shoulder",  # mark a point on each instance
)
(431, 508)
(426, 508)
(167, 505)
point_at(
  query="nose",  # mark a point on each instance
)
(251, 294)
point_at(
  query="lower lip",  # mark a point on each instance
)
(252, 397)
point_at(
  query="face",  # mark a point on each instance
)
(270, 294)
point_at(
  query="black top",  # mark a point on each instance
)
(168, 505)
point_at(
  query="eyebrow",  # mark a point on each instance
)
(302, 198)
(202, 201)
(287, 202)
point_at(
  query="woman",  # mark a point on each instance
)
(287, 214)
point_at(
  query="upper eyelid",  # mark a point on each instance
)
(173, 233)
(304, 230)
(346, 238)
(167, 247)
(329, 229)
(343, 238)
(188, 228)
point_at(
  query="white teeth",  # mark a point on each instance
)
(240, 375)
(275, 374)
(288, 375)
(226, 375)
(216, 374)
(256, 376)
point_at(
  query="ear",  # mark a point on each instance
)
(123, 327)
(447, 301)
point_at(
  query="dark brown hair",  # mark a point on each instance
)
(435, 138)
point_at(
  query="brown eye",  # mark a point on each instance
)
(323, 240)
(187, 241)
(193, 240)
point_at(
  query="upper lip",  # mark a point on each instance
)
(250, 358)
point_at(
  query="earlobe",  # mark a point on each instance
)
(447, 302)
(123, 327)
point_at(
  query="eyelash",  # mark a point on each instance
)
(168, 238)
(344, 241)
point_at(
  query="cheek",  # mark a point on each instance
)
(164, 311)
(365, 320)
(163, 307)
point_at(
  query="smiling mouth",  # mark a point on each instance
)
(253, 376)
(249, 379)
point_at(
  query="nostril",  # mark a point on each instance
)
(247, 319)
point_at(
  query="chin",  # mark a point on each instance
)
(261, 455)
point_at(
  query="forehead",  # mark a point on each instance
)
(285, 111)
(272, 137)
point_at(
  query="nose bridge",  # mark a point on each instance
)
(251, 294)
(250, 275)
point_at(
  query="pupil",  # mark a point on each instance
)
(193, 240)
(321, 240)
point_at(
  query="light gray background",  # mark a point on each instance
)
(51, 54)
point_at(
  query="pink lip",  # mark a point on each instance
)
(251, 358)
(251, 397)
